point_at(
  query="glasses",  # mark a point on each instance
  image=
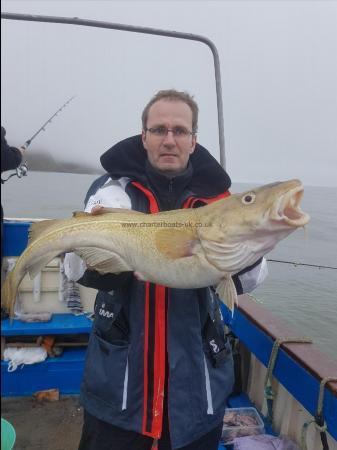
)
(178, 132)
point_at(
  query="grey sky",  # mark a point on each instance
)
(279, 72)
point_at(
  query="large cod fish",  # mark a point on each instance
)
(185, 248)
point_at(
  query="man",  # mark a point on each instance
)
(158, 364)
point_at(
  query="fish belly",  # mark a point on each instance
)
(186, 273)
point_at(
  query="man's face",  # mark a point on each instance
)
(169, 154)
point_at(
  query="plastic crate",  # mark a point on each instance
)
(239, 422)
(62, 372)
(15, 237)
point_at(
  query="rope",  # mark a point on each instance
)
(318, 421)
(268, 390)
(69, 292)
(304, 433)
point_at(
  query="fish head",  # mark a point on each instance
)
(250, 224)
(273, 206)
(272, 210)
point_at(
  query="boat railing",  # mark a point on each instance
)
(144, 30)
(299, 369)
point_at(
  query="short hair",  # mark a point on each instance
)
(173, 95)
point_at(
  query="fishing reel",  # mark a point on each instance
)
(20, 172)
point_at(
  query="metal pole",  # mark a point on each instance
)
(144, 30)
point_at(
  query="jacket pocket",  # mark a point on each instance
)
(110, 322)
(106, 371)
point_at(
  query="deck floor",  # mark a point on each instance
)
(44, 425)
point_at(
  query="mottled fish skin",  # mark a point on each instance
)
(186, 248)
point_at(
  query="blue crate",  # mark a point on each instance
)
(65, 323)
(62, 372)
(15, 237)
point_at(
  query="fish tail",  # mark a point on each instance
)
(8, 294)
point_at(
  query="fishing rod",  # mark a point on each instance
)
(302, 264)
(22, 170)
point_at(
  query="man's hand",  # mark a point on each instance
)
(96, 210)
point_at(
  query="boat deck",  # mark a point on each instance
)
(53, 425)
(57, 425)
(44, 425)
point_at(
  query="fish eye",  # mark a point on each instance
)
(249, 198)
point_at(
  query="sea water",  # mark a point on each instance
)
(304, 297)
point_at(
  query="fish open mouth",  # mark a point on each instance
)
(287, 208)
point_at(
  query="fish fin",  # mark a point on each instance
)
(226, 291)
(77, 214)
(35, 268)
(105, 210)
(38, 228)
(140, 276)
(175, 243)
(103, 261)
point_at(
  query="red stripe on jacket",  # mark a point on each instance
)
(160, 345)
(156, 412)
(190, 202)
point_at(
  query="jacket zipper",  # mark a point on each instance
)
(170, 190)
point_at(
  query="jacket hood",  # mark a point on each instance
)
(128, 158)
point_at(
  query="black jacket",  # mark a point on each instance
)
(145, 335)
(11, 157)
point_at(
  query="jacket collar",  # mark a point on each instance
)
(128, 158)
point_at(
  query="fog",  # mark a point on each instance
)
(278, 65)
